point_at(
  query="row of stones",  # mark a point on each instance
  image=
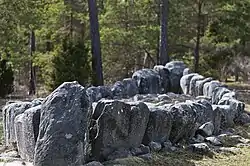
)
(159, 80)
(56, 132)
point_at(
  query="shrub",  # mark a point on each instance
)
(6, 78)
(70, 63)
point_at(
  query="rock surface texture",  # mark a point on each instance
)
(63, 130)
(135, 116)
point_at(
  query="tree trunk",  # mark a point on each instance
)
(96, 44)
(197, 46)
(164, 58)
(32, 82)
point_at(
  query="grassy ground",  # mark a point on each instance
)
(186, 158)
(241, 157)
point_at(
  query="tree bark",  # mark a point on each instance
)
(163, 51)
(32, 82)
(96, 44)
(197, 45)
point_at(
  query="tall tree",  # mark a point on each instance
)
(198, 36)
(32, 81)
(164, 58)
(95, 43)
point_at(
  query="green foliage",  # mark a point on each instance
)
(6, 78)
(70, 63)
(129, 36)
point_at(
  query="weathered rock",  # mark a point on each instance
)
(27, 128)
(148, 81)
(37, 102)
(120, 153)
(209, 87)
(229, 95)
(94, 163)
(214, 141)
(147, 157)
(237, 107)
(9, 114)
(121, 125)
(184, 122)
(198, 139)
(63, 131)
(187, 71)
(218, 94)
(243, 119)
(155, 146)
(99, 108)
(227, 115)
(105, 92)
(159, 125)
(131, 88)
(200, 84)
(168, 147)
(201, 148)
(164, 74)
(217, 119)
(142, 149)
(97, 93)
(207, 129)
(192, 86)
(175, 69)
(185, 82)
(119, 90)
(203, 110)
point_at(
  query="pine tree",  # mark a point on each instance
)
(71, 63)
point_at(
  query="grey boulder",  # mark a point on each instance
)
(185, 82)
(200, 148)
(175, 69)
(159, 125)
(218, 94)
(155, 146)
(192, 86)
(187, 71)
(148, 81)
(131, 88)
(97, 93)
(237, 107)
(184, 122)
(27, 128)
(209, 87)
(120, 125)
(200, 84)
(164, 75)
(63, 130)
(227, 115)
(206, 129)
(9, 114)
(118, 90)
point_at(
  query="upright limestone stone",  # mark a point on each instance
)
(159, 125)
(10, 112)
(27, 128)
(148, 81)
(175, 69)
(63, 131)
(185, 82)
(120, 126)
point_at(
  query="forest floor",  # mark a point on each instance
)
(240, 157)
